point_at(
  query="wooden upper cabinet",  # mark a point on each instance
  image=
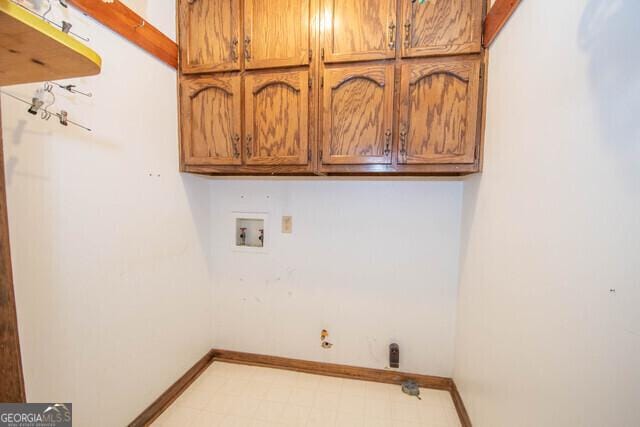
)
(276, 33)
(439, 106)
(355, 30)
(209, 35)
(210, 121)
(396, 86)
(276, 118)
(357, 114)
(441, 27)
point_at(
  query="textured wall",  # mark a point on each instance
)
(109, 241)
(553, 224)
(372, 261)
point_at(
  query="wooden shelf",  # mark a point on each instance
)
(31, 50)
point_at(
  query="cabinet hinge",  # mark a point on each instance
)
(309, 154)
(310, 54)
(310, 82)
(322, 53)
(322, 81)
(320, 155)
(481, 71)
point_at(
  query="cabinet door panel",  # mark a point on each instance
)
(357, 114)
(440, 27)
(357, 30)
(276, 118)
(211, 121)
(276, 33)
(439, 111)
(209, 35)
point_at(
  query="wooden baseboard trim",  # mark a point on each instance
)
(332, 369)
(318, 368)
(154, 410)
(457, 401)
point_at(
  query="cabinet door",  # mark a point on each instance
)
(276, 33)
(439, 111)
(276, 118)
(209, 35)
(210, 121)
(359, 30)
(440, 27)
(357, 114)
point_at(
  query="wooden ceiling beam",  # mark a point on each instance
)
(497, 17)
(132, 27)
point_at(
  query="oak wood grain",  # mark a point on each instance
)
(482, 111)
(251, 170)
(496, 19)
(465, 421)
(441, 27)
(332, 369)
(131, 26)
(378, 170)
(211, 125)
(444, 103)
(276, 118)
(276, 33)
(12, 388)
(314, 90)
(439, 110)
(209, 35)
(357, 117)
(356, 30)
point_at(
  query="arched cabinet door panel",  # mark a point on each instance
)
(439, 111)
(209, 35)
(441, 27)
(357, 30)
(210, 121)
(276, 33)
(276, 118)
(357, 115)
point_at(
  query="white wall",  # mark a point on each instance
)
(111, 245)
(109, 241)
(553, 224)
(372, 261)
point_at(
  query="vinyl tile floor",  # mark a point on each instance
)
(248, 396)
